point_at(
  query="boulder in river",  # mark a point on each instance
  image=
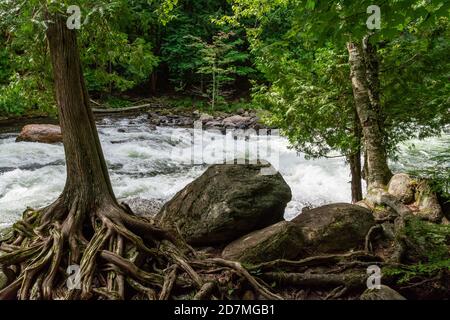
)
(383, 293)
(335, 228)
(227, 202)
(283, 240)
(44, 133)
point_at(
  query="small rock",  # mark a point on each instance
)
(402, 187)
(144, 207)
(213, 125)
(236, 121)
(335, 228)
(248, 295)
(283, 240)
(44, 133)
(204, 118)
(384, 293)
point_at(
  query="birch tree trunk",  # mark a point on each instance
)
(370, 118)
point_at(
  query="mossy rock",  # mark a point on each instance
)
(335, 228)
(6, 234)
(283, 240)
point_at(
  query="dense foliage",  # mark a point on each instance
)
(135, 45)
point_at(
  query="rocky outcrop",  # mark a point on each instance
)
(335, 228)
(227, 202)
(218, 121)
(283, 240)
(44, 133)
(384, 293)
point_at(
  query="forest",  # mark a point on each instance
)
(224, 150)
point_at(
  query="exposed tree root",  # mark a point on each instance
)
(120, 256)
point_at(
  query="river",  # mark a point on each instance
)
(155, 164)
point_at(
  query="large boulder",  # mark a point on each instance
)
(283, 240)
(384, 293)
(227, 202)
(335, 228)
(402, 187)
(44, 133)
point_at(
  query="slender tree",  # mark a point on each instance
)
(378, 172)
(344, 23)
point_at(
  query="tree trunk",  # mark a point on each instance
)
(87, 174)
(355, 169)
(354, 160)
(153, 82)
(369, 118)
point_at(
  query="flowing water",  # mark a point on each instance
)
(155, 164)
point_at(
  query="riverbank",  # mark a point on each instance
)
(119, 107)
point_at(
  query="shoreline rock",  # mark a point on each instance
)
(225, 203)
(335, 228)
(43, 133)
(283, 240)
(221, 121)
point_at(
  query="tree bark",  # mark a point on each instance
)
(369, 118)
(355, 169)
(354, 160)
(87, 173)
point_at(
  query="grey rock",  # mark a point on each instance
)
(283, 240)
(384, 293)
(227, 202)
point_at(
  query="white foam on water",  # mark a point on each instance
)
(156, 164)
